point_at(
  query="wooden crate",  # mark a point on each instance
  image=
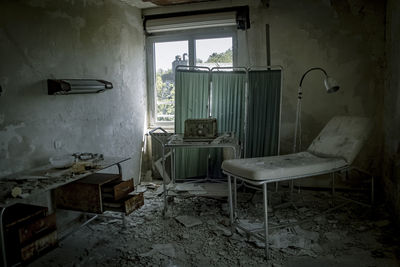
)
(39, 246)
(36, 228)
(27, 226)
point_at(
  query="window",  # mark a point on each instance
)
(209, 48)
(167, 57)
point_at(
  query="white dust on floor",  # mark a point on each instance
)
(196, 232)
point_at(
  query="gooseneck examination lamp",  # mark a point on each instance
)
(331, 86)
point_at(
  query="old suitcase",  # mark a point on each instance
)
(200, 129)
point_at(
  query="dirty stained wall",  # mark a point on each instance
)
(344, 37)
(41, 39)
(391, 170)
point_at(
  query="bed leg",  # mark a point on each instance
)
(265, 192)
(333, 188)
(230, 201)
(291, 186)
(234, 196)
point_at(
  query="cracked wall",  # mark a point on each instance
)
(40, 40)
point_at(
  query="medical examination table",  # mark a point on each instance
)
(334, 150)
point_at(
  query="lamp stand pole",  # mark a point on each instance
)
(297, 129)
(297, 123)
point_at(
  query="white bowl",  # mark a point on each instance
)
(61, 162)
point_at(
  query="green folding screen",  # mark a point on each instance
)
(191, 100)
(228, 104)
(228, 107)
(262, 136)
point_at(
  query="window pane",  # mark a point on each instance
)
(215, 52)
(167, 56)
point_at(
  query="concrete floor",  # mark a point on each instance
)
(315, 235)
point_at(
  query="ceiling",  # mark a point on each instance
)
(154, 3)
(173, 2)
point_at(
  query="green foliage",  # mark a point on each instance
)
(224, 57)
(165, 90)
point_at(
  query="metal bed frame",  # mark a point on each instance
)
(232, 197)
(264, 183)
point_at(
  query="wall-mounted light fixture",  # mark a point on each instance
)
(77, 86)
(331, 86)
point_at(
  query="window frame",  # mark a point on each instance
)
(190, 36)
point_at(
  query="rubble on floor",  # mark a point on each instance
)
(196, 232)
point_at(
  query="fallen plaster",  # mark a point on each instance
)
(314, 235)
(188, 221)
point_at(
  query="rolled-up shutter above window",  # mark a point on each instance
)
(235, 16)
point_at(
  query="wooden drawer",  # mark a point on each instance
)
(117, 190)
(39, 246)
(36, 228)
(128, 204)
(19, 213)
(85, 194)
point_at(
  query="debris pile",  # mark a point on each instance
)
(197, 232)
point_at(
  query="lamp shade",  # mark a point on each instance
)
(331, 85)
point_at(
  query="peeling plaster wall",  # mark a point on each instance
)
(345, 37)
(42, 39)
(391, 170)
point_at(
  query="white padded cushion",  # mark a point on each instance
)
(281, 167)
(343, 137)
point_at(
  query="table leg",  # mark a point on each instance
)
(123, 215)
(119, 169)
(3, 245)
(172, 165)
(123, 221)
(266, 235)
(164, 182)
